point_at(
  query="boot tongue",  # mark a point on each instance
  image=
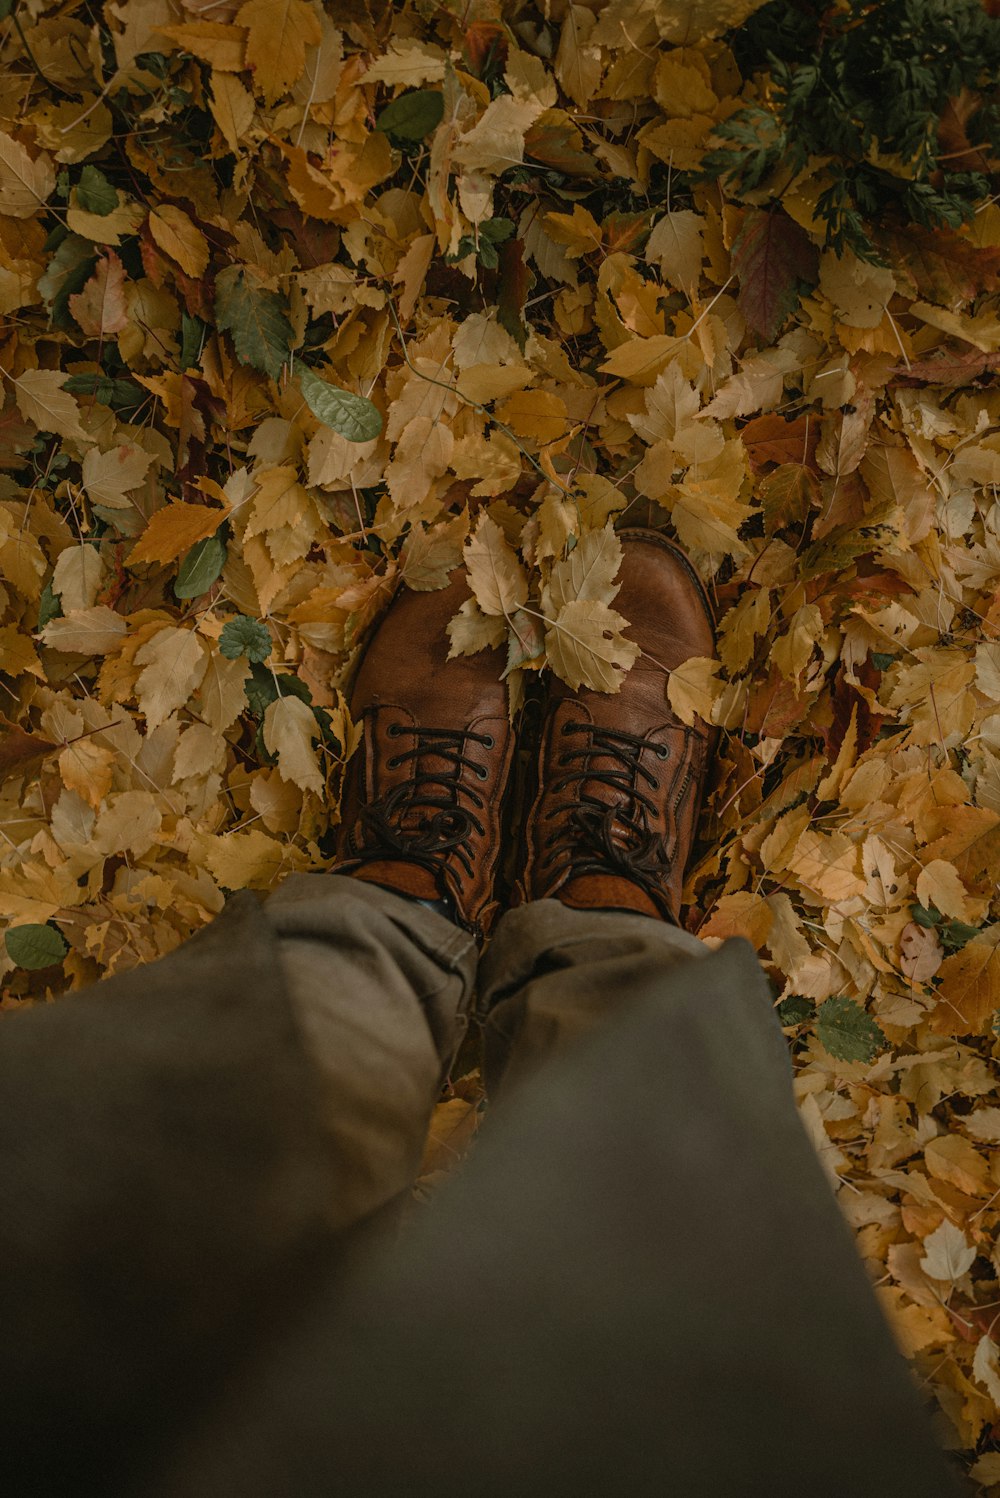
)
(606, 892)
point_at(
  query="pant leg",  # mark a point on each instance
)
(552, 975)
(380, 987)
(639, 1286)
(181, 1145)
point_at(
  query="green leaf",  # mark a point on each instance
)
(49, 606)
(795, 1010)
(773, 259)
(95, 194)
(192, 338)
(6, 6)
(35, 946)
(924, 916)
(256, 320)
(262, 687)
(200, 568)
(120, 395)
(414, 115)
(351, 415)
(245, 636)
(954, 935)
(881, 660)
(846, 1031)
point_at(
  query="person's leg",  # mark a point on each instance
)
(639, 1286)
(178, 1143)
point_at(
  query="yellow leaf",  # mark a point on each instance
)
(244, 860)
(579, 231)
(107, 477)
(538, 414)
(232, 109)
(173, 663)
(471, 630)
(174, 530)
(585, 646)
(180, 238)
(588, 572)
(968, 992)
(578, 64)
(676, 246)
(87, 767)
(938, 884)
(685, 21)
(222, 47)
(497, 578)
(952, 1159)
(289, 730)
(279, 32)
(93, 631)
(743, 914)
(42, 400)
(24, 184)
(78, 577)
(693, 688)
(221, 693)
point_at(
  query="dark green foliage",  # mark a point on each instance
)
(35, 946)
(200, 569)
(413, 115)
(861, 79)
(846, 1031)
(245, 636)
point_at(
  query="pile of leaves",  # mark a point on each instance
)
(305, 302)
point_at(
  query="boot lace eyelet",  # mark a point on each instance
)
(482, 772)
(662, 751)
(489, 742)
(394, 730)
(393, 762)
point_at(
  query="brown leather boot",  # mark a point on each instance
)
(422, 799)
(620, 778)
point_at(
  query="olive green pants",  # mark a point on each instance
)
(639, 1283)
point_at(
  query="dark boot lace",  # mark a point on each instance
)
(422, 819)
(595, 837)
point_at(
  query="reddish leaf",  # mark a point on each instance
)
(20, 751)
(942, 266)
(773, 259)
(772, 439)
(954, 364)
(485, 42)
(513, 284)
(556, 141)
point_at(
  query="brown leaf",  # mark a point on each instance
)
(772, 439)
(920, 952)
(774, 261)
(21, 752)
(174, 530)
(969, 990)
(100, 307)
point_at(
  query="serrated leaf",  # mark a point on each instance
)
(497, 578)
(256, 320)
(35, 946)
(200, 568)
(413, 115)
(847, 1032)
(245, 636)
(772, 259)
(94, 193)
(585, 646)
(354, 417)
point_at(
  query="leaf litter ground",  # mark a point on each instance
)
(306, 303)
